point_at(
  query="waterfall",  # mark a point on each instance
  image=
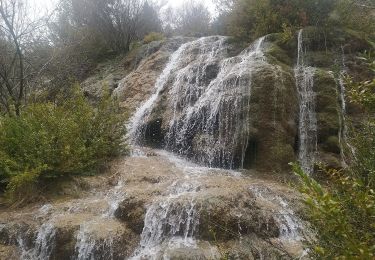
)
(137, 122)
(343, 132)
(290, 225)
(173, 218)
(210, 102)
(44, 244)
(214, 119)
(307, 117)
(88, 245)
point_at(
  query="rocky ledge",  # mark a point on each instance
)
(158, 206)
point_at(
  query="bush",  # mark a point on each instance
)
(342, 215)
(153, 36)
(49, 141)
(251, 19)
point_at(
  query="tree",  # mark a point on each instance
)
(17, 33)
(249, 19)
(149, 21)
(357, 15)
(192, 19)
(117, 23)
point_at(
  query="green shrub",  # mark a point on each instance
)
(343, 216)
(153, 36)
(49, 141)
(250, 19)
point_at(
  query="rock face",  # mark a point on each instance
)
(222, 110)
(138, 85)
(206, 100)
(161, 207)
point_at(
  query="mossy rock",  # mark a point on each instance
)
(328, 125)
(274, 105)
(334, 39)
(321, 59)
(282, 153)
(326, 92)
(332, 144)
(288, 47)
(324, 82)
(279, 55)
(330, 160)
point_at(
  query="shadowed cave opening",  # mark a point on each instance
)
(251, 154)
(154, 136)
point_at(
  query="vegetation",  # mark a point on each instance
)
(49, 130)
(153, 36)
(343, 212)
(247, 20)
(49, 141)
(191, 19)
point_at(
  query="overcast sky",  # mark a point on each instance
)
(40, 6)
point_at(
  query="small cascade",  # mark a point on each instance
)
(89, 244)
(88, 247)
(290, 225)
(44, 244)
(210, 102)
(343, 132)
(172, 219)
(342, 116)
(307, 117)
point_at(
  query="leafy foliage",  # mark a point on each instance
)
(357, 15)
(49, 141)
(343, 213)
(363, 92)
(247, 20)
(251, 19)
(153, 36)
(343, 216)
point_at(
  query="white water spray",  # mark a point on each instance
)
(210, 102)
(307, 117)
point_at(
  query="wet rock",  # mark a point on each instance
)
(251, 247)
(273, 110)
(202, 251)
(224, 206)
(138, 85)
(9, 252)
(132, 211)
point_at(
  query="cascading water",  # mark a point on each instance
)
(171, 219)
(210, 102)
(290, 225)
(214, 119)
(44, 244)
(136, 126)
(307, 117)
(342, 135)
(343, 132)
(87, 246)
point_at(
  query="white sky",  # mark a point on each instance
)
(40, 6)
(208, 3)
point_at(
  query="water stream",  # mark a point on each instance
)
(307, 129)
